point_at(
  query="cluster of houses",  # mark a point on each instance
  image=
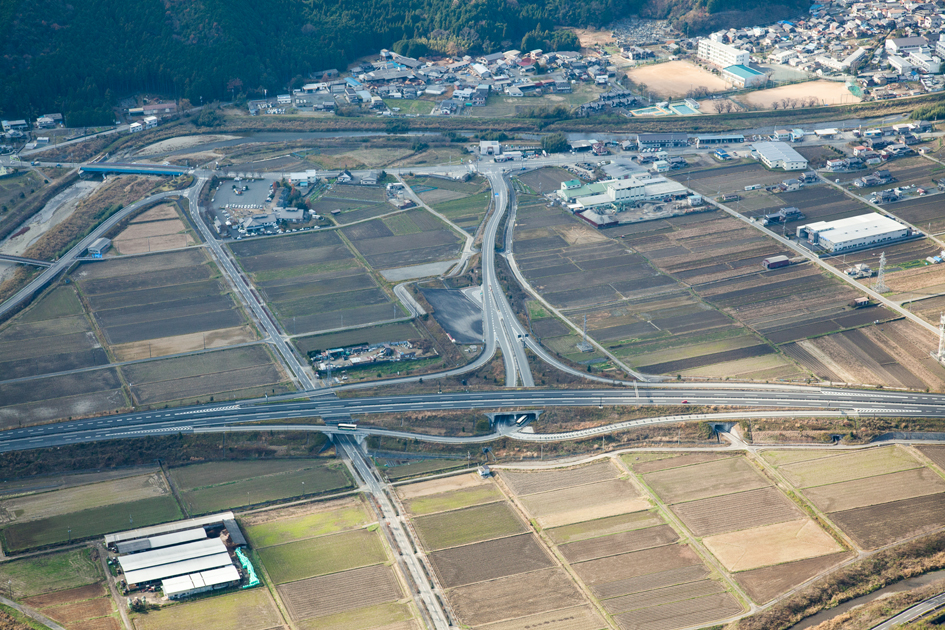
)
(18, 129)
(828, 43)
(460, 82)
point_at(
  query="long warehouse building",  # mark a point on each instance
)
(159, 564)
(854, 232)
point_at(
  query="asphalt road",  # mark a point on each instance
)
(912, 613)
(845, 402)
(351, 450)
(69, 257)
(239, 282)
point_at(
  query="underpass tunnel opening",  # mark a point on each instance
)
(517, 419)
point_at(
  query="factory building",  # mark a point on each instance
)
(779, 155)
(744, 76)
(637, 188)
(854, 232)
(185, 557)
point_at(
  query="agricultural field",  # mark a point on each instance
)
(924, 213)
(72, 395)
(454, 500)
(154, 305)
(463, 202)
(584, 503)
(340, 592)
(877, 496)
(84, 608)
(222, 485)
(313, 282)
(275, 527)
(648, 317)
(631, 561)
(322, 555)
(468, 525)
(248, 610)
(741, 517)
(219, 375)
(40, 505)
(500, 106)
(393, 243)
(89, 522)
(675, 79)
(355, 202)
(489, 560)
(158, 229)
(53, 335)
(50, 573)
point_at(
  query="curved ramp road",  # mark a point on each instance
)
(810, 402)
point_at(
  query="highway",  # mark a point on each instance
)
(806, 401)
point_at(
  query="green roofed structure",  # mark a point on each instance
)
(743, 76)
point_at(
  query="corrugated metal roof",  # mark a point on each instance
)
(185, 583)
(167, 528)
(178, 568)
(132, 546)
(178, 538)
(171, 554)
(235, 534)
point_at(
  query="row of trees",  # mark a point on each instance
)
(794, 103)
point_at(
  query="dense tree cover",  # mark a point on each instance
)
(62, 55)
(79, 57)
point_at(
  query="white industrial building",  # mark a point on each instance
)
(195, 583)
(925, 62)
(853, 232)
(149, 566)
(722, 55)
(779, 155)
(636, 188)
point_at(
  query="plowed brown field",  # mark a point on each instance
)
(514, 596)
(489, 560)
(741, 510)
(878, 525)
(619, 543)
(705, 480)
(598, 573)
(769, 582)
(584, 503)
(330, 594)
(543, 481)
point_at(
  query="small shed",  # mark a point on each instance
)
(774, 262)
(99, 247)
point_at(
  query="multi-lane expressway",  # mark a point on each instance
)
(811, 401)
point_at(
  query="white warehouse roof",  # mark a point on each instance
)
(163, 571)
(194, 581)
(854, 228)
(778, 152)
(170, 555)
(167, 528)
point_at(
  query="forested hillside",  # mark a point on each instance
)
(79, 56)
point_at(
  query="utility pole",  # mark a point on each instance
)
(880, 285)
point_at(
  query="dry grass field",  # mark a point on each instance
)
(768, 582)
(158, 229)
(740, 510)
(642, 464)
(877, 495)
(603, 527)
(489, 560)
(339, 592)
(387, 616)
(42, 505)
(575, 618)
(454, 500)
(618, 543)
(522, 483)
(675, 78)
(323, 555)
(502, 598)
(73, 395)
(701, 481)
(468, 525)
(247, 610)
(314, 282)
(849, 466)
(584, 503)
(274, 527)
(826, 92)
(439, 486)
(771, 544)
